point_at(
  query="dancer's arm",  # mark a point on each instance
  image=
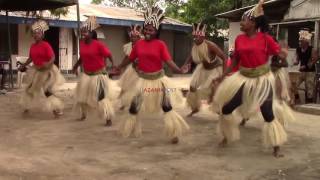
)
(75, 66)
(174, 67)
(216, 50)
(126, 61)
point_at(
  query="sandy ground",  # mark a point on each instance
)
(39, 147)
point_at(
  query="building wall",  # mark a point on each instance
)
(115, 38)
(168, 38)
(234, 32)
(25, 40)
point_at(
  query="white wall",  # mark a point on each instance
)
(25, 40)
(115, 38)
(234, 30)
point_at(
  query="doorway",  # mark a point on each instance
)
(52, 37)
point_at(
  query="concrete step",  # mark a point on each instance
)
(308, 108)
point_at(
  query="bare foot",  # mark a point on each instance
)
(193, 112)
(83, 117)
(175, 140)
(223, 143)
(276, 152)
(57, 113)
(108, 123)
(122, 108)
(26, 111)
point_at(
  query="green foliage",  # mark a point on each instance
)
(97, 1)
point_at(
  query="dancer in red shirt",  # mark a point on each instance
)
(153, 92)
(130, 76)
(254, 85)
(93, 91)
(45, 77)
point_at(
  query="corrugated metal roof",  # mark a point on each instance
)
(274, 9)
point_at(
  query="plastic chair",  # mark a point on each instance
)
(20, 75)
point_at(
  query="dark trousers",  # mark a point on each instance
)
(236, 101)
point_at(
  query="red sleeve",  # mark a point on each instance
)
(104, 50)
(49, 50)
(273, 47)
(165, 55)
(133, 54)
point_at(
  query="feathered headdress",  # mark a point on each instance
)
(305, 35)
(135, 30)
(256, 11)
(153, 16)
(90, 24)
(40, 25)
(199, 29)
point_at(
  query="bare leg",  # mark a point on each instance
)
(223, 143)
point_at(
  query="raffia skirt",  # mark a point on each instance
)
(152, 94)
(201, 81)
(127, 82)
(255, 91)
(94, 92)
(41, 89)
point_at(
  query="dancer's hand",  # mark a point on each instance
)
(185, 68)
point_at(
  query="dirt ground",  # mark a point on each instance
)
(39, 147)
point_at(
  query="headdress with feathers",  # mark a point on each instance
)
(153, 16)
(255, 12)
(135, 30)
(199, 29)
(305, 35)
(90, 24)
(40, 25)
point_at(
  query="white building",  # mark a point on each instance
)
(114, 22)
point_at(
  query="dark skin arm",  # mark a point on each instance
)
(214, 49)
(75, 66)
(172, 65)
(126, 61)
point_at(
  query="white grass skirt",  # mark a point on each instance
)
(255, 92)
(95, 92)
(151, 94)
(39, 82)
(283, 83)
(201, 81)
(127, 82)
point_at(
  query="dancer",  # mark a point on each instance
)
(153, 92)
(205, 54)
(253, 86)
(44, 76)
(130, 76)
(93, 91)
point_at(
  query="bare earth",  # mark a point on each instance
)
(39, 147)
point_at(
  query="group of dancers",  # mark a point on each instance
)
(253, 87)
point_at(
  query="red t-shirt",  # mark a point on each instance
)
(40, 53)
(253, 52)
(150, 55)
(93, 55)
